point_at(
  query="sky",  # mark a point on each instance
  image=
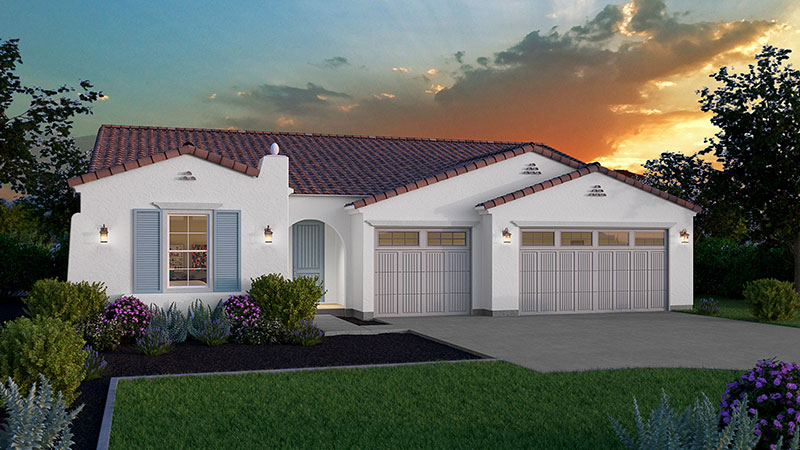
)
(601, 81)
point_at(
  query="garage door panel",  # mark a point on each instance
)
(548, 277)
(566, 281)
(622, 285)
(529, 266)
(584, 275)
(386, 282)
(605, 281)
(657, 279)
(457, 303)
(639, 275)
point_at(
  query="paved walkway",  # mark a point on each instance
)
(602, 341)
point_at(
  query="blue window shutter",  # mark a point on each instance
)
(227, 262)
(146, 250)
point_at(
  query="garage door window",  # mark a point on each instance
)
(576, 238)
(398, 238)
(538, 239)
(649, 238)
(447, 238)
(612, 238)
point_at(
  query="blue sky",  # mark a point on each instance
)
(405, 68)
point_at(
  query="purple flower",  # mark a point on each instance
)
(761, 398)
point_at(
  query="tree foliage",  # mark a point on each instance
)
(758, 114)
(37, 153)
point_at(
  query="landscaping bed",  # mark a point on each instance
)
(737, 309)
(194, 357)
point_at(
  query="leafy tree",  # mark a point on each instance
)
(695, 180)
(37, 154)
(758, 114)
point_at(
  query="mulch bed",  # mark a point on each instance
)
(191, 357)
(360, 322)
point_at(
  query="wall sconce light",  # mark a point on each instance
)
(684, 236)
(506, 236)
(104, 234)
(268, 235)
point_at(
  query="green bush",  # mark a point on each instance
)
(101, 333)
(723, 266)
(23, 260)
(286, 301)
(44, 345)
(771, 300)
(72, 302)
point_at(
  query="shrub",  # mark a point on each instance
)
(287, 301)
(305, 332)
(172, 321)
(723, 266)
(101, 333)
(696, 428)
(211, 327)
(131, 314)
(707, 306)
(771, 300)
(247, 325)
(772, 392)
(38, 420)
(44, 345)
(95, 365)
(154, 341)
(71, 302)
(23, 260)
(261, 332)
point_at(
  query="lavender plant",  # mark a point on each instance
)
(773, 392)
(707, 306)
(131, 314)
(154, 341)
(213, 331)
(305, 332)
(172, 320)
(95, 365)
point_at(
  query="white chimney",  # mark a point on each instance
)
(274, 149)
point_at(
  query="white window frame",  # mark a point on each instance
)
(209, 252)
(423, 238)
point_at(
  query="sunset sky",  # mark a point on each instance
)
(611, 82)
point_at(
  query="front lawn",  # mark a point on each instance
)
(458, 405)
(731, 308)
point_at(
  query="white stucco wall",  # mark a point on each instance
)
(262, 200)
(567, 205)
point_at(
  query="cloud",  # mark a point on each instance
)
(432, 71)
(348, 108)
(285, 122)
(102, 98)
(212, 96)
(332, 63)
(401, 69)
(384, 95)
(588, 90)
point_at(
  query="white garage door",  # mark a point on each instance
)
(422, 272)
(592, 271)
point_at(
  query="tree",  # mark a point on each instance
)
(37, 153)
(695, 180)
(758, 114)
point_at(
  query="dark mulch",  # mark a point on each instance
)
(189, 357)
(360, 322)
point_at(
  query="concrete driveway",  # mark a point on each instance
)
(605, 341)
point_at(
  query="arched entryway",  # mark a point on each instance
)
(318, 250)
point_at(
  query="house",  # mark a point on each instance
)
(391, 226)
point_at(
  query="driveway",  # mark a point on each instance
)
(605, 341)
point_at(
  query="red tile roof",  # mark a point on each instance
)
(581, 171)
(331, 164)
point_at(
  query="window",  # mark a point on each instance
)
(576, 238)
(398, 238)
(188, 250)
(609, 238)
(538, 238)
(447, 238)
(649, 238)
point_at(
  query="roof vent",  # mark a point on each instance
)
(531, 169)
(596, 191)
(274, 149)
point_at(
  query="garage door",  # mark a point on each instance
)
(422, 272)
(592, 271)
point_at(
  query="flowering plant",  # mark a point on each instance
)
(772, 389)
(95, 364)
(707, 306)
(101, 333)
(131, 314)
(154, 341)
(242, 311)
(305, 333)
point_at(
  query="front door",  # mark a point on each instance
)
(308, 250)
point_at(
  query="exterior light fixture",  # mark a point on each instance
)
(104, 234)
(684, 236)
(268, 235)
(506, 236)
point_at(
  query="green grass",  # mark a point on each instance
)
(454, 405)
(732, 308)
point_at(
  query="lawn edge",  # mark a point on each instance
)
(108, 412)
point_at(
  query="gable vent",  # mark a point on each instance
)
(531, 169)
(596, 191)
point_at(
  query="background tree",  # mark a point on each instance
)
(37, 152)
(758, 114)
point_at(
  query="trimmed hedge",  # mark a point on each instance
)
(724, 266)
(772, 300)
(286, 301)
